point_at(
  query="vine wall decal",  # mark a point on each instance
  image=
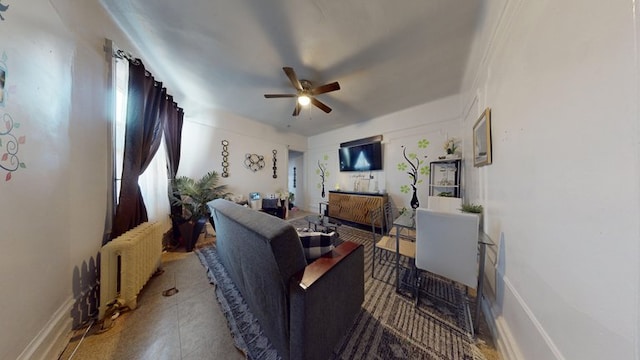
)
(3, 78)
(323, 173)
(418, 167)
(3, 8)
(10, 141)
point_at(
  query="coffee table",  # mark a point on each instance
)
(325, 223)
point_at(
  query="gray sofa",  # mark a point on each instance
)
(304, 309)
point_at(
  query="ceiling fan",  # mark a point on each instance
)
(305, 92)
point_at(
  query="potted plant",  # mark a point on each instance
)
(451, 147)
(193, 195)
(473, 209)
(290, 200)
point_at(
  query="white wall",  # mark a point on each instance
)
(434, 121)
(202, 148)
(562, 195)
(53, 211)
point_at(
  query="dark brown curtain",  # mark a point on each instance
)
(142, 138)
(173, 141)
(173, 135)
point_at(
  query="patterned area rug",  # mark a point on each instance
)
(389, 325)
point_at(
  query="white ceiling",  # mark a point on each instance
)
(223, 55)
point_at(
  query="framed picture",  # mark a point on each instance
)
(482, 139)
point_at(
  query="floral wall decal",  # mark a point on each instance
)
(414, 167)
(10, 141)
(323, 173)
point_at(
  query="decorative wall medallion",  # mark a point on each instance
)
(254, 162)
(275, 168)
(225, 158)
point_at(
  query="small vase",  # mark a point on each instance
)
(414, 199)
(323, 193)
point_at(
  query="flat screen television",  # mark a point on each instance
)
(365, 157)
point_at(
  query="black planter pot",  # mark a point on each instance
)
(190, 231)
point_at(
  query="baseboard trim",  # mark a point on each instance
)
(501, 332)
(54, 336)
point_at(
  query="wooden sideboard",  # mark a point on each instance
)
(354, 206)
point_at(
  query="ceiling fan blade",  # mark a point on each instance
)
(320, 105)
(325, 88)
(291, 74)
(270, 96)
(296, 110)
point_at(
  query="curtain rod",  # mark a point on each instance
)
(121, 54)
(125, 55)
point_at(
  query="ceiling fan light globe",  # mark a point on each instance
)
(303, 100)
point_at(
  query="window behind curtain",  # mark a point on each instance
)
(153, 182)
(120, 124)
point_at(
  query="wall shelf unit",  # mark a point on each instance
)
(444, 178)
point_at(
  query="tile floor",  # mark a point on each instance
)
(187, 325)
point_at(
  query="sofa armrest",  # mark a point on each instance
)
(325, 298)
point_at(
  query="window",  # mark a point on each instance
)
(153, 182)
(120, 124)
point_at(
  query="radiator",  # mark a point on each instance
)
(126, 264)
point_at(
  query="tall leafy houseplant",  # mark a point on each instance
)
(193, 195)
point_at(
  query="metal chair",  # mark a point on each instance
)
(384, 236)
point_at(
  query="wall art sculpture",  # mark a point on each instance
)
(225, 158)
(275, 168)
(254, 162)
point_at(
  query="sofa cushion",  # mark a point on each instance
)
(316, 244)
(270, 203)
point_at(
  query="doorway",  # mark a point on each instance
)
(296, 177)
